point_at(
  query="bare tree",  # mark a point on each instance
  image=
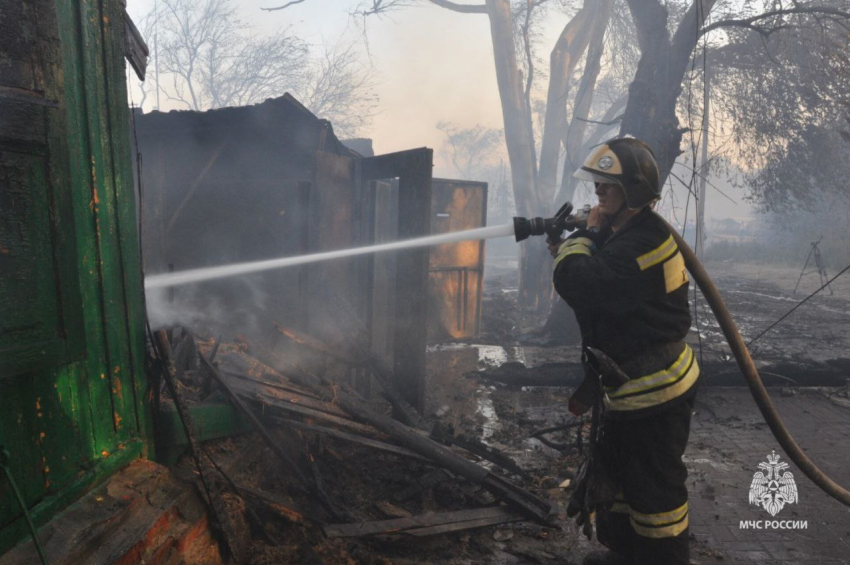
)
(477, 153)
(214, 60)
(209, 58)
(471, 151)
(147, 25)
(340, 88)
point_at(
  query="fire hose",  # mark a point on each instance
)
(751, 374)
(563, 220)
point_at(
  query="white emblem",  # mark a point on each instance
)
(774, 490)
(605, 162)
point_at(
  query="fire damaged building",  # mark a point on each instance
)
(272, 180)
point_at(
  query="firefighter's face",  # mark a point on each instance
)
(610, 196)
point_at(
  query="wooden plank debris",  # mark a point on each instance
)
(317, 415)
(388, 447)
(426, 524)
(522, 500)
(281, 504)
(299, 400)
(405, 412)
(261, 429)
(279, 386)
(441, 433)
(274, 394)
(465, 525)
(416, 440)
(315, 486)
(220, 514)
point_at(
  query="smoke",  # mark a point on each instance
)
(207, 309)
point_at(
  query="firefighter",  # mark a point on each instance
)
(625, 279)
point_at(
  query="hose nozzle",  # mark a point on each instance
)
(552, 227)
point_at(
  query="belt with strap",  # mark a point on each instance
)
(656, 377)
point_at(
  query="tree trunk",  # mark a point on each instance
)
(562, 62)
(561, 323)
(535, 288)
(518, 135)
(574, 135)
(609, 122)
(651, 111)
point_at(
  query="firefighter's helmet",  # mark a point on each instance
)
(628, 162)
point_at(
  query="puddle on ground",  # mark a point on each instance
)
(489, 356)
(719, 465)
(486, 409)
(533, 405)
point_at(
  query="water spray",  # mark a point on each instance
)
(521, 229)
(223, 271)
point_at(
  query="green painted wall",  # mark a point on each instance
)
(72, 386)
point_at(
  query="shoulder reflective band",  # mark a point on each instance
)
(658, 254)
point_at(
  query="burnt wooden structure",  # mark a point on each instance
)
(272, 180)
(72, 387)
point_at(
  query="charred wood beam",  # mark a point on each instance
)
(261, 429)
(278, 386)
(465, 525)
(522, 500)
(220, 515)
(252, 515)
(315, 415)
(380, 445)
(282, 504)
(480, 449)
(287, 396)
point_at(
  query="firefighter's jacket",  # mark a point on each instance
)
(629, 292)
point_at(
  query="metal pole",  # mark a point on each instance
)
(703, 168)
(803, 270)
(156, 48)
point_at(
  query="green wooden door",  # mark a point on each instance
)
(72, 389)
(40, 322)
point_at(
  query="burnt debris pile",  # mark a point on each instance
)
(295, 463)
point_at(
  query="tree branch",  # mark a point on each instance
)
(616, 120)
(462, 8)
(285, 6)
(748, 22)
(565, 55)
(646, 16)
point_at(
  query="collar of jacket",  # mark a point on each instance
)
(634, 221)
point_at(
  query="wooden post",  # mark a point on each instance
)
(414, 220)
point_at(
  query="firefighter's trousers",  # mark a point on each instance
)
(649, 522)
